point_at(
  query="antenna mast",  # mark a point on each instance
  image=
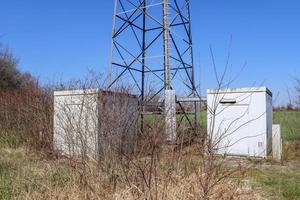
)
(152, 52)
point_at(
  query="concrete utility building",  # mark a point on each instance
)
(240, 121)
(92, 122)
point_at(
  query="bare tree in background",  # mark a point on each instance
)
(297, 88)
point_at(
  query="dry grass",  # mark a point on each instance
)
(25, 175)
(182, 187)
(148, 171)
(26, 117)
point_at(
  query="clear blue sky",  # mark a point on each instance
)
(61, 39)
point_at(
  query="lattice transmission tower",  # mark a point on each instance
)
(152, 51)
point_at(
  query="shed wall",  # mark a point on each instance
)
(76, 122)
(240, 125)
(92, 123)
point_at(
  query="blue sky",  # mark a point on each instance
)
(61, 39)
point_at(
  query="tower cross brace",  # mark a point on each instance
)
(152, 51)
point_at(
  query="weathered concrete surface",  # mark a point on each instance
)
(170, 115)
(276, 142)
(93, 122)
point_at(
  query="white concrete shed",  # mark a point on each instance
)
(240, 121)
(93, 122)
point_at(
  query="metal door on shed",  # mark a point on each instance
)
(233, 129)
(83, 130)
(75, 123)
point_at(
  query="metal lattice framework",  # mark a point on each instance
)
(152, 51)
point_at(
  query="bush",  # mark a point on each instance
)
(26, 117)
(10, 76)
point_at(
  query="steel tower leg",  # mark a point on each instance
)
(152, 46)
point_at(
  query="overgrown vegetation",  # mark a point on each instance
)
(28, 175)
(31, 169)
(24, 175)
(151, 170)
(10, 76)
(26, 118)
(25, 107)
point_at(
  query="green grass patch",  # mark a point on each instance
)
(6, 180)
(202, 117)
(290, 124)
(59, 178)
(11, 139)
(277, 183)
(23, 172)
